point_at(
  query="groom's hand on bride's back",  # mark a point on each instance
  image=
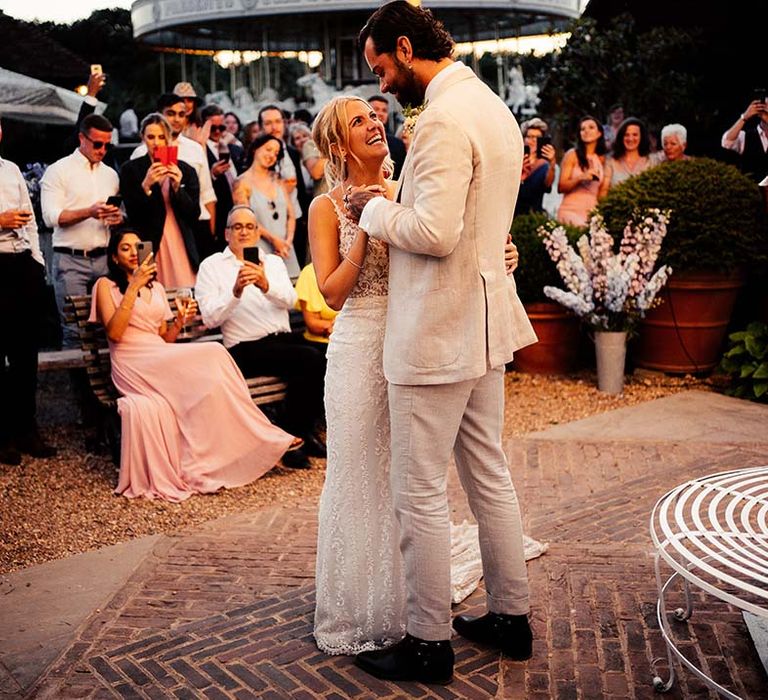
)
(355, 199)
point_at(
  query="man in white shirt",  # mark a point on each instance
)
(22, 290)
(74, 194)
(172, 107)
(749, 137)
(250, 302)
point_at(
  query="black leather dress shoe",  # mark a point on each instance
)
(296, 459)
(33, 445)
(411, 659)
(511, 634)
(313, 447)
(10, 455)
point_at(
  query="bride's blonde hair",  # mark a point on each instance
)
(330, 132)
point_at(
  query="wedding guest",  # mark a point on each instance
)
(396, 146)
(162, 202)
(74, 193)
(318, 316)
(262, 190)
(581, 172)
(22, 297)
(225, 161)
(250, 131)
(749, 137)
(674, 140)
(631, 154)
(234, 128)
(538, 167)
(615, 117)
(312, 163)
(193, 103)
(250, 302)
(188, 422)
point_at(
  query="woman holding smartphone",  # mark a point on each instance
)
(161, 197)
(188, 422)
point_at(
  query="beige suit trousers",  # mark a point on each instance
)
(428, 421)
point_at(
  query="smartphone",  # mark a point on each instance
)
(167, 155)
(759, 94)
(115, 200)
(144, 250)
(96, 69)
(541, 142)
(252, 254)
(225, 156)
(526, 150)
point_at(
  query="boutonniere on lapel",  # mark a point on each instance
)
(411, 115)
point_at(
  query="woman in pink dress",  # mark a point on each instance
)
(162, 203)
(188, 422)
(581, 174)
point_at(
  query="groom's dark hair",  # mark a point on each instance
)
(429, 38)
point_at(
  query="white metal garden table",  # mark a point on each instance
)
(713, 533)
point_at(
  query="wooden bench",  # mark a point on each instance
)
(95, 358)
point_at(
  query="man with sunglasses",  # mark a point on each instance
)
(225, 163)
(74, 195)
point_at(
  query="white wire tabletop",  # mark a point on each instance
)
(713, 533)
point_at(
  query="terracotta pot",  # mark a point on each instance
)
(557, 351)
(686, 333)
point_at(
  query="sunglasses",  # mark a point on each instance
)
(218, 127)
(98, 145)
(273, 207)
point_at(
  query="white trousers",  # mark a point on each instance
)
(428, 421)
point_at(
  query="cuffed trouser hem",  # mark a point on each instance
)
(509, 605)
(429, 632)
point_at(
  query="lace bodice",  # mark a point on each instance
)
(373, 278)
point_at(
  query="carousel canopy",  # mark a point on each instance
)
(303, 25)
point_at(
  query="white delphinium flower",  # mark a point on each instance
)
(646, 297)
(577, 304)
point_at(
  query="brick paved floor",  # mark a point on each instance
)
(226, 611)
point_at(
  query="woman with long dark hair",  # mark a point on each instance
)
(631, 154)
(188, 422)
(261, 189)
(581, 173)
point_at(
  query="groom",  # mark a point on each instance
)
(454, 320)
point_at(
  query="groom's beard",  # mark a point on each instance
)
(407, 90)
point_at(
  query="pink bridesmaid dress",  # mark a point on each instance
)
(173, 267)
(188, 422)
(576, 204)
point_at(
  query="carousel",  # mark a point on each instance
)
(244, 35)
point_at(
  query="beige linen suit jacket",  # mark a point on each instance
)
(453, 311)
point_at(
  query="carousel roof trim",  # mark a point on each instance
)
(217, 24)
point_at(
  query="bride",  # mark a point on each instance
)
(360, 585)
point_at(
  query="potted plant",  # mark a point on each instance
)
(556, 328)
(610, 290)
(716, 225)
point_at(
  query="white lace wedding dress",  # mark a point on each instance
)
(360, 586)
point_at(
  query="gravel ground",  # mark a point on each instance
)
(55, 508)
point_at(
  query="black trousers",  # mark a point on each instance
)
(302, 367)
(22, 296)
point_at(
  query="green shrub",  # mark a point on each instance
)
(535, 269)
(717, 220)
(747, 362)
